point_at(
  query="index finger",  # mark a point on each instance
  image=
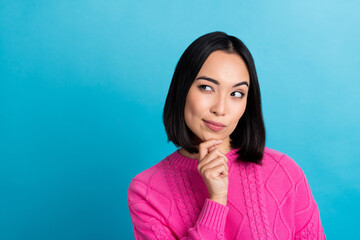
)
(204, 147)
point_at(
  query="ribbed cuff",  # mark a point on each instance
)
(213, 215)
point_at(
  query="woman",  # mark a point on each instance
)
(223, 183)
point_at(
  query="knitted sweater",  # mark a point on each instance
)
(273, 201)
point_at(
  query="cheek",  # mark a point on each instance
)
(196, 106)
(240, 113)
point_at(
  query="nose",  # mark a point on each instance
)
(219, 106)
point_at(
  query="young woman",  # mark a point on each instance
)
(223, 183)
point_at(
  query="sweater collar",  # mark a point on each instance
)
(180, 160)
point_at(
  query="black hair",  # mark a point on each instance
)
(249, 134)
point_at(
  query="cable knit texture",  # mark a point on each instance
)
(272, 201)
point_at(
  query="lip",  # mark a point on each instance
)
(214, 125)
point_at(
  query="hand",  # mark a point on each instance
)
(214, 170)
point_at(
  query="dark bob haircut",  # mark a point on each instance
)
(249, 134)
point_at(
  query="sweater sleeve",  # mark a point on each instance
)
(150, 218)
(307, 216)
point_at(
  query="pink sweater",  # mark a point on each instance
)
(272, 201)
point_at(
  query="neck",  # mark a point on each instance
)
(189, 155)
(222, 148)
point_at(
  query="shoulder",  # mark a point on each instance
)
(287, 183)
(275, 162)
(147, 182)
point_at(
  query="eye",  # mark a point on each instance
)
(205, 88)
(238, 94)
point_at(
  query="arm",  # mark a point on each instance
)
(149, 220)
(307, 216)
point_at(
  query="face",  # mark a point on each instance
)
(217, 98)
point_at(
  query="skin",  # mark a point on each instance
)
(221, 103)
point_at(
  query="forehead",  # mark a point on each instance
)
(225, 68)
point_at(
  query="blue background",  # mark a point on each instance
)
(83, 84)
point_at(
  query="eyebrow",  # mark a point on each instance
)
(217, 82)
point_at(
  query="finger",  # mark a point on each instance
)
(215, 172)
(219, 153)
(213, 163)
(213, 154)
(203, 147)
(210, 157)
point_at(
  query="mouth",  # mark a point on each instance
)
(216, 126)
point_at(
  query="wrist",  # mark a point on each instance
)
(221, 200)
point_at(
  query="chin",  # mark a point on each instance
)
(211, 136)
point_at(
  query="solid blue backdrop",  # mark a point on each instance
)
(83, 84)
